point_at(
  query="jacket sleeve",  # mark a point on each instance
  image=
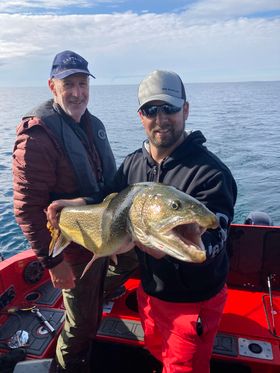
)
(219, 194)
(34, 175)
(118, 183)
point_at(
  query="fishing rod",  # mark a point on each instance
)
(271, 305)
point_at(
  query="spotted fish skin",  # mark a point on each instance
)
(151, 214)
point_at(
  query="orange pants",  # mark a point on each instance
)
(181, 335)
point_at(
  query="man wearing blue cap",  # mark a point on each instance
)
(62, 151)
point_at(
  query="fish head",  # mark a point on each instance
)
(171, 221)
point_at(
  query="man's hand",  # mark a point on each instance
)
(62, 276)
(56, 206)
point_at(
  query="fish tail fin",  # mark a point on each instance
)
(58, 242)
(87, 267)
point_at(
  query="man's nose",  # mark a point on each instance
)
(161, 116)
(76, 91)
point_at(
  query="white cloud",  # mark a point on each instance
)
(122, 48)
(10, 49)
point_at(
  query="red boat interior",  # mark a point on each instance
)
(249, 333)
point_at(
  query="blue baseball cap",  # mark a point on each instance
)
(68, 63)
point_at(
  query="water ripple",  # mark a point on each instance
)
(241, 122)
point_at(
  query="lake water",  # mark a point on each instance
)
(241, 122)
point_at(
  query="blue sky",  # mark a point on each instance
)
(202, 40)
(96, 7)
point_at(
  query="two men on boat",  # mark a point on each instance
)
(180, 304)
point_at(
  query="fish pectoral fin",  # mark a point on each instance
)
(57, 244)
(60, 245)
(54, 235)
(125, 247)
(87, 267)
(114, 259)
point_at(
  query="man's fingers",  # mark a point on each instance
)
(64, 284)
(53, 213)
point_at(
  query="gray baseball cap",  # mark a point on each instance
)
(161, 85)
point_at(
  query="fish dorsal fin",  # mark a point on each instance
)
(110, 197)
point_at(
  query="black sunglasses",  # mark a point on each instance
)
(151, 111)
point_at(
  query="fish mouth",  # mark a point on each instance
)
(183, 240)
(190, 234)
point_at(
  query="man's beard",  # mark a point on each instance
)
(172, 137)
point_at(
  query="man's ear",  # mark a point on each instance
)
(186, 110)
(52, 87)
(140, 116)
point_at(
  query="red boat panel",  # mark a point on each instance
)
(24, 284)
(272, 311)
(249, 331)
(245, 314)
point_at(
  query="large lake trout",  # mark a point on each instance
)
(153, 215)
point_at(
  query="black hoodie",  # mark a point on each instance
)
(193, 169)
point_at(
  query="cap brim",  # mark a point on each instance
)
(175, 101)
(65, 73)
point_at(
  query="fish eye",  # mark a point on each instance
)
(175, 205)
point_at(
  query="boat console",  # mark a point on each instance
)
(26, 292)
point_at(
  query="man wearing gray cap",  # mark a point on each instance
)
(62, 151)
(180, 303)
